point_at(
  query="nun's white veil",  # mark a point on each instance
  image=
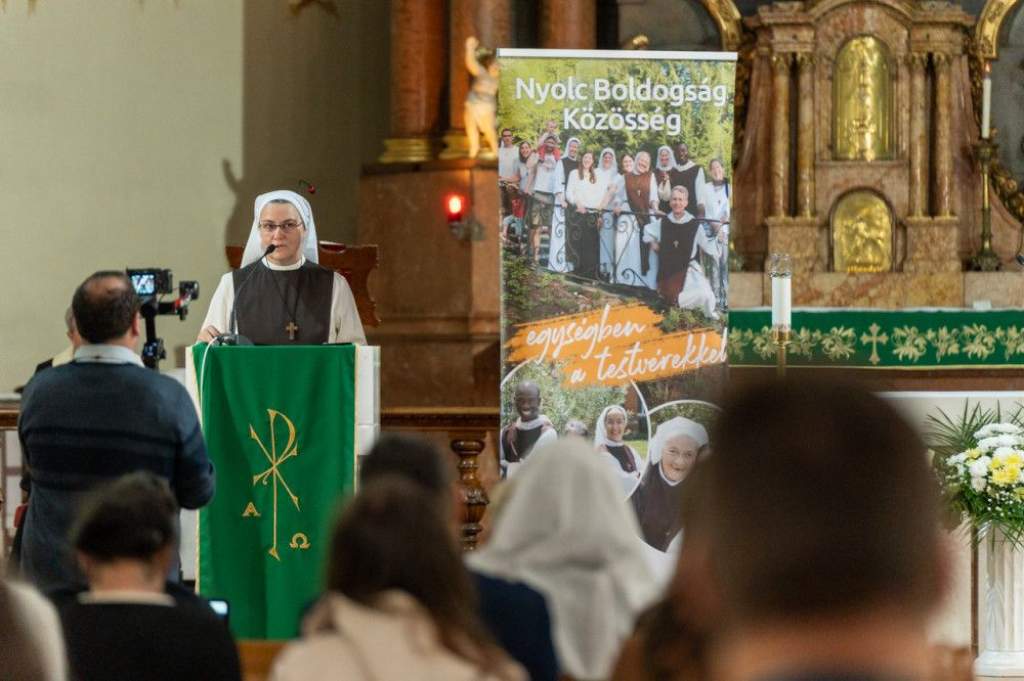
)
(253, 249)
(565, 531)
(610, 173)
(668, 430)
(671, 159)
(601, 431)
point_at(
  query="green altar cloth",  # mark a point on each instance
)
(934, 338)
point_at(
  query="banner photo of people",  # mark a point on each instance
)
(615, 201)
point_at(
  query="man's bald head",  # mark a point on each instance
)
(528, 400)
(104, 306)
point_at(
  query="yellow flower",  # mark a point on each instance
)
(973, 453)
(1020, 493)
(1005, 475)
(1014, 459)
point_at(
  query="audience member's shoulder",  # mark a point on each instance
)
(497, 589)
(46, 378)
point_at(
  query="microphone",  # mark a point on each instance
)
(232, 337)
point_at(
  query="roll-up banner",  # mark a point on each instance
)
(614, 171)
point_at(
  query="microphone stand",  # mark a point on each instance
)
(233, 337)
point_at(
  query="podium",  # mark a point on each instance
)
(284, 426)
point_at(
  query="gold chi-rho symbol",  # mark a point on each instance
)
(276, 459)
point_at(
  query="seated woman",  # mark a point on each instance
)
(564, 530)
(280, 295)
(126, 626)
(399, 602)
(676, 445)
(623, 459)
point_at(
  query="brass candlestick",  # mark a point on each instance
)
(781, 336)
(985, 259)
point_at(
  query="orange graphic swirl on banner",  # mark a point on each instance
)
(615, 345)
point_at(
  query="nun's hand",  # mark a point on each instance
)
(208, 334)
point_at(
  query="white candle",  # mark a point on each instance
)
(782, 302)
(986, 103)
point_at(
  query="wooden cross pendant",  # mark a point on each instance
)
(291, 328)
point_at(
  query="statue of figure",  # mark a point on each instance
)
(481, 102)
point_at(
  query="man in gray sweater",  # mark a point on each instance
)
(97, 418)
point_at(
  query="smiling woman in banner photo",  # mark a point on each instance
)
(678, 444)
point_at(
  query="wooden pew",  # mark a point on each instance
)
(257, 657)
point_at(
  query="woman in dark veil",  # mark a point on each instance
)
(674, 450)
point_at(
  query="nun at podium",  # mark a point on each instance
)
(281, 295)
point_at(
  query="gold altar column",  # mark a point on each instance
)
(918, 135)
(805, 136)
(417, 72)
(568, 24)
(943, 135)
(781, 63)
(491, 22)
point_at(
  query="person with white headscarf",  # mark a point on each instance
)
(663, 168)
(564, 530)
(674, 450)
(280, 295)
(620, 457)
(608, 171)
(626, 234)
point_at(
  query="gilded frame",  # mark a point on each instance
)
(985, 48)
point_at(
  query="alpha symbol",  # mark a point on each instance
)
(250, 511)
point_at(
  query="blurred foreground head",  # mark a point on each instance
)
(822, 504)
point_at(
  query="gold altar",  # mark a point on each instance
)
(857, 154)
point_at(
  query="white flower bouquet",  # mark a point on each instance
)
(979, 459)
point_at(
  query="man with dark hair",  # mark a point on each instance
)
(99, 417)
(825, 536)
(530, 430)
(126, 626)
(516, 615)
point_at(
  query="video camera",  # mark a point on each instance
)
(150, 285)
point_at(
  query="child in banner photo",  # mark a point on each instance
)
(610, 429)
(675, 448)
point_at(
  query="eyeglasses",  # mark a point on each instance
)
(288, 226)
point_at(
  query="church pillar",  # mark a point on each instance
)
(805, 136)
(918, 189)
(417, 71)
(490, 21)
(781, 63)
(568, 24)
(943, 136)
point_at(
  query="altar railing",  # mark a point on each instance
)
(467, 431)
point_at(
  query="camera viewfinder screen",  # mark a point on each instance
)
(145, 284)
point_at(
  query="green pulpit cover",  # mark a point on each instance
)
(280, 428)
